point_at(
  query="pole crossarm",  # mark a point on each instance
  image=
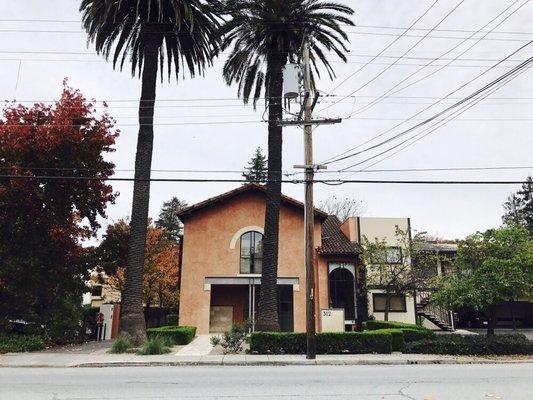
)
(299, 122)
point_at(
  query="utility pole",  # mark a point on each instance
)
(306, 111)
(309, 209)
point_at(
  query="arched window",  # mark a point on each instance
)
(251, 253)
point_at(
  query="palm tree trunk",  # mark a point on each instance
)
(132, 322)
(267, 318)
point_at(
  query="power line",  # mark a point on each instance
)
(342, 156)
(120, 124)
(435, 59)
(404, 53)
(78, 21)
(385, 48)
(384, 95)
(437, 125)
(294, 181)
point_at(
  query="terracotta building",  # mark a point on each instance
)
(222, 260)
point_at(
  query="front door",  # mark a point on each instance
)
(342, 289)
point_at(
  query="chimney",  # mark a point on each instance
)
(349, 228)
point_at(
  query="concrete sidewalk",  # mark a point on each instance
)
(55, 359)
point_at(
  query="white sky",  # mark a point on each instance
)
(479, 141)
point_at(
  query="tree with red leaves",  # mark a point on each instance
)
(47, 210)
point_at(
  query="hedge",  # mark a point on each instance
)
(179, 335)
(472, 345)
(374, 325)
(398, 338)
(20, 343)
(327, 343)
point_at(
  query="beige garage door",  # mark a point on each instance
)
(220, 318)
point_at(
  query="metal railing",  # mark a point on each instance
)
(424, 305)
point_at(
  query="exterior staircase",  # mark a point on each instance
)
(438, 315)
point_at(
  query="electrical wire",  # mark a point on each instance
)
(343, 155)
(294, 181)
(478, 40)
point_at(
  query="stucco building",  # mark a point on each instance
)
(222, 259)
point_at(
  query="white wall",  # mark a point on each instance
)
(408, 316)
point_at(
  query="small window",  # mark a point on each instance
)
(397, 302)
(251, 253)
(391, 255)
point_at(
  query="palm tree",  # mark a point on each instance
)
(145, 32)
(263, 35)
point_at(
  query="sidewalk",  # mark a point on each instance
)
(48, 359)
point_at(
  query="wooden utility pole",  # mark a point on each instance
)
(309, 209)
(309, 103)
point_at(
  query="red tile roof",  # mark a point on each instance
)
(186, 212)
(334, 241)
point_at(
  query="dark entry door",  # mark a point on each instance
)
(285, 308)
(342, 291)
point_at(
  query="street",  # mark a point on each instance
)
(424, 382)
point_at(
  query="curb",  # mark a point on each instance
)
(282, 363)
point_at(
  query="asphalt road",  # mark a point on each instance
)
(424, 382)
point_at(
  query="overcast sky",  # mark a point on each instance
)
(496, 132)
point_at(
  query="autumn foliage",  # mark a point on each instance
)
(49, 203)
(160, 278)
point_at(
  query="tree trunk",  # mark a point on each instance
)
(132, 322)
(491, 322)
(387, 305)
(267, 318)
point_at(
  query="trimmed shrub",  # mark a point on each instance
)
(155, 345)
(177, 335)
(472, 345)
(374, 325)
(120, 345)
(327, 343)
(20, 343)
(412, 335)
(398, 337)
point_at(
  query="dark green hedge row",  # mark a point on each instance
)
(374, 325)
(19, 343)
(327, 343)
(179, 335)
(401, 336)
(472, 345)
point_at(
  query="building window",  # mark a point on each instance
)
(251, 253)
(397, 302)
(391, 255)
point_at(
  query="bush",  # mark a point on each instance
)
(327, 343)
(233, 340)
(472, 345)
(156, 345)
(412, 335)
(176, 335)
(398, 337)
(20, 343)
(374, 325)
(120, 345)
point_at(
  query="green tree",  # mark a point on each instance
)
(398, 269)
(168, 217)
(147, 31)
(519, 207)
(44, 218)
(491, 267)
(263, 35)
(256, 171)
